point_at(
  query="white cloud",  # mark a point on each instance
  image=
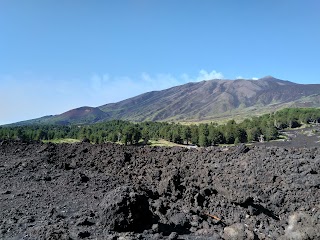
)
(105, 88)
(240, 77)
(160, 81)
(204, 75)
(115, 88)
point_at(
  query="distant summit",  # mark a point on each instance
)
(198, 101)
(275, 80)
(269, 77)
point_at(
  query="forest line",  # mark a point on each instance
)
(262, 128)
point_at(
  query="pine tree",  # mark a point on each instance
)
(186, 134)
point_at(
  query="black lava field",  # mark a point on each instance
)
(109, 191)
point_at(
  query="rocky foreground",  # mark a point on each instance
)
(84, 191)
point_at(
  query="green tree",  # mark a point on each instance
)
(236, 141)
(176, 135)
(240, 134)
(203, 135)
(203, 140)
(253, 134)
(215, 136)
(136, 135)
(41, 135)
(145, 135)
(230, 131)
(128, 133)
(194, 134)
(270, 133)
(186, 134)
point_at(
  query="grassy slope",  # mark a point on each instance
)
(62, 140)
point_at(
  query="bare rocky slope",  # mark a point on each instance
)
(108, 191)
(209, 99)
(206, 100)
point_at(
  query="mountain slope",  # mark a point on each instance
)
(82, 115)
(210, 99)
(206, 100)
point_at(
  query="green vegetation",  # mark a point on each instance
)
(265, 127)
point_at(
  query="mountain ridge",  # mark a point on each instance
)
(197, 101)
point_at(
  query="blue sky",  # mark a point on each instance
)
(62, 54)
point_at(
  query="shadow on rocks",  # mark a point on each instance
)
(125, 210)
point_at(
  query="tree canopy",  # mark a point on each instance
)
(249, 130)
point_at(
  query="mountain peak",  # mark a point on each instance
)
(268, 77)
(272, 80)
(206, 100)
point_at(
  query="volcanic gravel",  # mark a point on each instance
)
(109, 191)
